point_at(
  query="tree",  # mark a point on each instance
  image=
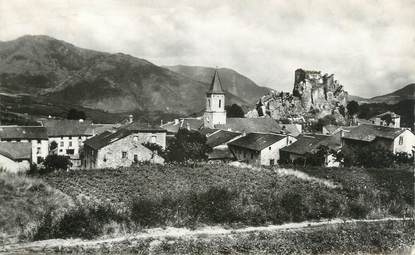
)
(366, 156)
(154, 147)
(74, 114)
(53, 146)
(56, 162)
(234, 111)
(352, 108)
(188, 145)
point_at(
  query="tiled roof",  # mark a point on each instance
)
(67, 127)
(99, 141)
(16, 150)
(250, 125)
(207, 131)
(331, 128)
(23, 132)
(369, 133)
(221, 137)
(310, 143)
(192, 123)
(256, 141)
(143, 127)
(392, 114)
(216, 85)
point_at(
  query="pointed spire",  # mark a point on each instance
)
(216, 85)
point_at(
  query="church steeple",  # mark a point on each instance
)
(215, 103)
(215, 85)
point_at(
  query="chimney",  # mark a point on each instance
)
(130, 118)
(161, 122)
(187, 126)
(81, 120)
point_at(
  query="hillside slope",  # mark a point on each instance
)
(405, 93)
(61, 73)
(232, 81)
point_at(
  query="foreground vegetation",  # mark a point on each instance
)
(93, 203)
(384, 237)
(156, 196)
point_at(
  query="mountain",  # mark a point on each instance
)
(56, 73)
(405, 93)
(232, 81)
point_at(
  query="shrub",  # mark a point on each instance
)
(56, 162)
(83, 221)
(145, 212)
(214, 205)
(154, 147)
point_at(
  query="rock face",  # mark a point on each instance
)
(314, 96)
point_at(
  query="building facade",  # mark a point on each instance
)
(259, 148)
(118, 149)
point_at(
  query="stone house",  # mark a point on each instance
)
(117, 149)
(34, 135)
(147, 133)
(388, 119)
(310, 143)
(259, 148)
(393, 139)
(15, 157)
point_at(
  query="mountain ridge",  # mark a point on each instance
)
(56, 71)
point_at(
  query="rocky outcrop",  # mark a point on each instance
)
(314, 96)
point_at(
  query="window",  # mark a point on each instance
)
(153, 139)
(105, 158)
(80, 137)
(135, 158)
(271, 162)
(124, 154)
(400, 140)
(209, 103)
(38, 150)
(70, 138)
(61, 137)
(220, 103)
(70, 151)
(70, 143)
(39, 141)
(269, 148)
(60, 150)
(62, 144)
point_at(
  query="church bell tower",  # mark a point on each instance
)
(215, 104)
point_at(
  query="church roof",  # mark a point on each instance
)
(216, 85)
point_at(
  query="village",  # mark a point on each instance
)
(261, 140)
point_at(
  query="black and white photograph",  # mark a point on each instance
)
(207, 127)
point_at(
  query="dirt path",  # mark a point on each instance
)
(171, 232)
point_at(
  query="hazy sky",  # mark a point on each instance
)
(369, 45)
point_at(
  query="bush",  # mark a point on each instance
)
(56, 162)
(145, 212)
(372, 156)
(80, 222)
